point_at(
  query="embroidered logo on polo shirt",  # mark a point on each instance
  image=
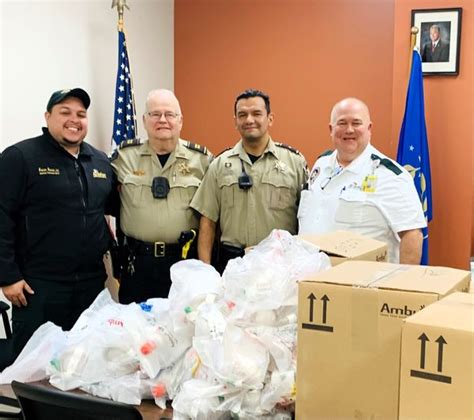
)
(48, 171)
(314, 174)
(98, 174)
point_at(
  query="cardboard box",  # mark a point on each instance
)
(344, 246)
(437, 361)
(349, 333)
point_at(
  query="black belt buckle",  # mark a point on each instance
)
(159, 249)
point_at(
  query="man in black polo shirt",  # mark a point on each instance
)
(53, 233)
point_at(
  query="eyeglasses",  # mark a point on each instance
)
(156, 116)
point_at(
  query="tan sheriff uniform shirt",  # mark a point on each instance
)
(150, 219)
(248, 216)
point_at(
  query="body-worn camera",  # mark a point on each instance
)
(160, 187)
(245, 180)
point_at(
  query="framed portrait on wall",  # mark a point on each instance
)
(439, 39)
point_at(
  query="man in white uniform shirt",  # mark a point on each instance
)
(357, 188)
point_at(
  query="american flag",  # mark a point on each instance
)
(125, 120)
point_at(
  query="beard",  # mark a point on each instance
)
(252, 138)
(72, 142)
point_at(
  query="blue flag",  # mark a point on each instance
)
(413, 153)
(125, 121)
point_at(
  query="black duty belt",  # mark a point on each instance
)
(156, 249)
(232, 251)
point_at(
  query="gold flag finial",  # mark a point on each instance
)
(414, 32)
(120, 5)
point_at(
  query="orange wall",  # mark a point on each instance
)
(307, 54)
(303, 53)
(449, 110)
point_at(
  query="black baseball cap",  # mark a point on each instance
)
(60, 95)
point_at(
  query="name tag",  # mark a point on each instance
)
(369, 183)
(48, 171)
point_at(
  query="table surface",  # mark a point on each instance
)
(148, 409)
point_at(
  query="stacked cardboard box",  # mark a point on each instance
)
(344, 246)
(349, 332)
(437, 361)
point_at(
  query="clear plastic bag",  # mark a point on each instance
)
(156, 343)
(238, 359)
(201, 400)
(266, 278)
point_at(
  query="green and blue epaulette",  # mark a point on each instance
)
(196, 147)
(387, 163)
(287, 147)
(128, 143)
(325, 153)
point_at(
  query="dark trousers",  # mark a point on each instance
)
(226, 253)
(150, 278)
(60, 303)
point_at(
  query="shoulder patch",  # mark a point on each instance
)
(387, 163)
(325, 153)
(128, 143)
(290, 148)
(196, 147)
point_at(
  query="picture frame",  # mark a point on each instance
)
(439, 39)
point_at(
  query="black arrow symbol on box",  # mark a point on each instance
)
(325, 300)
(441, 342)
(311, 298)
(423, 338)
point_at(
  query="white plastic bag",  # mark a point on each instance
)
(280, 390)
(280, 342)
(94, 355)
(32, 362)
(92, 314)
(125, 389)
(192, 282)
(187, 367)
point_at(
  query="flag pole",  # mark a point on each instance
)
(120, 4)
(125, 121)
(414, 33)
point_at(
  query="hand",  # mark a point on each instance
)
(15, 293)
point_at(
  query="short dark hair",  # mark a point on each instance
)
(253, 93)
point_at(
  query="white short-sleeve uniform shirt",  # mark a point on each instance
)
(373, 196)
